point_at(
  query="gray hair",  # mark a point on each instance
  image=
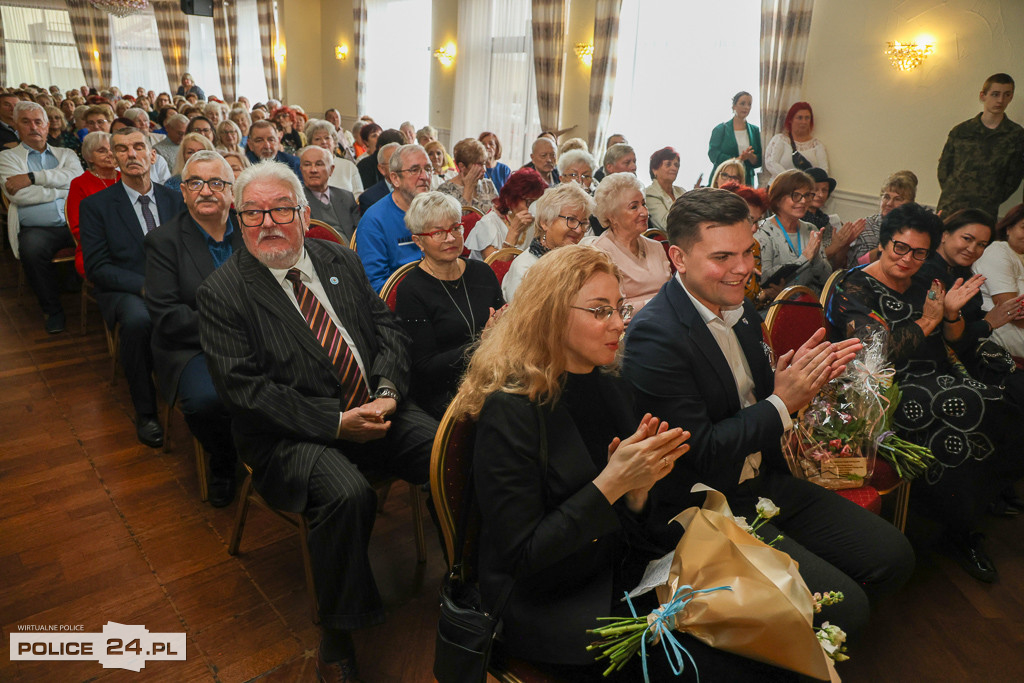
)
(610, 193)
(179, 159)
(327, 154)
(91, 141)
(239, 111)
(208, 155)
(315, 126)
(616, 152)
(270, 170)
(129, 130)
(390, 148)
(27, 106)
(558, 198)
(242, 159)
(264, 123)
(211, 106)
(431, 208)
(395, 165)
(133, 114)
(573, 157)
(175, 118)
(228, 123)
(533, 147)
(273, 104)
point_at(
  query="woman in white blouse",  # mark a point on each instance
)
(1002, 264)
(799, 134)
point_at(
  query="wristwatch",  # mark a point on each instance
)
(31, 178)
(386, 392)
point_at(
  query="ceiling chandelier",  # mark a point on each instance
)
(120, 8)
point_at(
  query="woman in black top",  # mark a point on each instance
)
(445, 302)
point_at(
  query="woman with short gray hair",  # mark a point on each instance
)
(577, 165)
(445, 302)
(102, 173)
(346, 174)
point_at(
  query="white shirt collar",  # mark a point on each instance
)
(303, 265)
(133, 196)
(730, 316)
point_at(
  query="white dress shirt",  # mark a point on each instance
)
(133, 197)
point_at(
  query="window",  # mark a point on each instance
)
(135, 53)
(679, 65)
(251, 82)
(398, 61)
(40, 48)
(202, 56)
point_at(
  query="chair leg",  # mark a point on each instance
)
(243, 510)
(204, 490)
(307, 564)
(416, 502)
(902, 506)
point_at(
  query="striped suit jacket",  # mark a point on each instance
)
(274, 376)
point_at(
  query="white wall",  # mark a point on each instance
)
(875, 120)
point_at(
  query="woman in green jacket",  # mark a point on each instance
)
(737, 138)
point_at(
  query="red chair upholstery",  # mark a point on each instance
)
(792, 318)
(500, 261)
(319, 233)
(389, 291)
(866, 497)
(500, 269)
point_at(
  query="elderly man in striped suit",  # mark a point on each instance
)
(313, 367)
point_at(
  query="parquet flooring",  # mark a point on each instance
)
(96, 527)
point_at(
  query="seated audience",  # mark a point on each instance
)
(383, 188)
(661, 193)
(242, 119)
(641, 261)
(237, 161)
(898, 189)
(345, 175)
(839, 235)
(968, 425)
(369, 166)
(496, 171)
(613, 139)
(1002, 264)
(695, 354)
(787, 239)
(798, 137)
(189, 87)
(36, 178)
(180, 254)
(737, 138)
(438, 159)
(229, 137)
(444, 303)
(101, 173)
(332, 205)
(757, 202)
(264, 144)
(203, 126)
(469, 186)
(368, 135)
(729, 171)
(291, 139)
(175, 126)
(8, 134)
(542, 160)
(509, 223)
(113, 224)
(578, 166)
(58, 134)
(572, 543)
(190, 144)
(408, 132)
(383, 241)
(619, 158)
(563, 212)
(305, 427)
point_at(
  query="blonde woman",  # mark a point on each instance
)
(729, 171)
(190, 144)
(237, 162)
(229, 137)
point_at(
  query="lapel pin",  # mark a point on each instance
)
(334, 280)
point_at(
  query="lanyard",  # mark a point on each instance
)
(785, 234)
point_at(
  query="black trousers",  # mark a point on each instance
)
(206, 416)
(129, 310)
(36, 248)
(341, 509)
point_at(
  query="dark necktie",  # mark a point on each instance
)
(147, 215)
(353, 386)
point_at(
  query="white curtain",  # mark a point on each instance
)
(391, 101)
(40, 47)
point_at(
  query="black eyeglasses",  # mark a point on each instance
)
(603, 313)
(571, 222)
(216, 184)
(798, 197)
(417, 170)
(902, 249)
(252, 218)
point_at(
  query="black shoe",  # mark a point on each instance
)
(970, 555)
(220, 491)
(149, 432)
(1002, 508)
(342, 671)
(55, 323)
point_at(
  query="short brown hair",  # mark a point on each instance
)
(785, 184)
(703, 205)
(469, 151)
(1000, 78)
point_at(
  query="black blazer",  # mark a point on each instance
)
(342, 214)
(680, 375)
(177, 262)
(274, 377)
(558, 528)
(373, 194)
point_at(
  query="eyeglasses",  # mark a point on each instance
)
(571, 222)
(902, 249)
(603, 313)
(581, 176)
(252, 218)
(442, 235)
(798, 197)
(216, 185)
(730, 176)
(417, 170)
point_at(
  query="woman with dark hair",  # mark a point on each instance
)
(368, 135)
(737, 138)
(496, 171)
(291, 139)
(1002, 264)
(661, 193)
(787, 241)
(968, 425)
(509, 223)
(796, 147)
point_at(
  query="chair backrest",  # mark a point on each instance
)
(656, 234)
(450, 463)
(469, 221)
(826, 294)
(792, 318)
(352, 242)
(500, 261)
(390, 289)
(469, 210)
(319, 230)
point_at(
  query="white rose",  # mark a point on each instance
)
(766, 508)
(741, 522)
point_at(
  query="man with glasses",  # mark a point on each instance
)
(113, 224)
(383, 241)
(264, 143)
(332, 205)
(314, 369)
(180, 254)
(696, 357)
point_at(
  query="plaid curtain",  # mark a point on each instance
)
(91, 29)
(548, 56)
(172, 29)
(268, 41)
(602, 70)
(785, 25)
(3, 56)
(225, 32)
(359, 40)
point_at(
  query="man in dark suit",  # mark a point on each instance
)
(382, 189)
(264, 142)
(696, 358)
(332, 205)
(112, 226)
(180, 254)
(311, 408)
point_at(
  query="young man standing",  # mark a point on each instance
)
(983, 160)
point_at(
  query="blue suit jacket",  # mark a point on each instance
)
(292, 161)
(373, 194)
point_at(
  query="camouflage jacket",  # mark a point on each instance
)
(980, 167)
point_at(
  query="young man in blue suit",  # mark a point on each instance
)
(113, 224)
(696, 358)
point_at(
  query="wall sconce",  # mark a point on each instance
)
(279, 54)
(446, 54)
(95, 54)
(907, 56)
(585, 53)
(341, 52)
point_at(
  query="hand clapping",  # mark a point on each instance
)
(801, 373)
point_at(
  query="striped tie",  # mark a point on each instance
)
(327, 333)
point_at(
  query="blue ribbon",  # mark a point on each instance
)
(663, 625)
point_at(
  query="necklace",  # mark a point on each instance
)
(105, 182)
(471, 320)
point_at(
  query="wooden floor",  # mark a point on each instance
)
(95, 527)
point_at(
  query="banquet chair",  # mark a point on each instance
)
(792, 318)
(501, 260)
(389, 291)
(320, 230)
